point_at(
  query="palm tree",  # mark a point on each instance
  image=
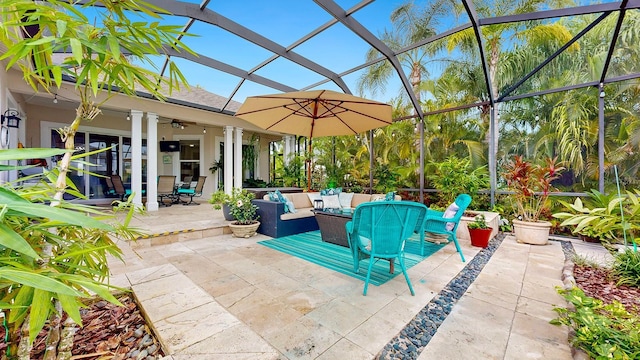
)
(496, 36)
(410, 25)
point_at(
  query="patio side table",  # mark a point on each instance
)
(332, 225)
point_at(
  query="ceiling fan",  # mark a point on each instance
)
(179, 124)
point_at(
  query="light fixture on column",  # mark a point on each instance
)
(204, 130)
(602, 90)
(55, 98)
(128, 117)
(181, 127)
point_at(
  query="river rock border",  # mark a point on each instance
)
(568, 282)
(415, 336)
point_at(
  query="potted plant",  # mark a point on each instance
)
(245, 213)
(221, 200)
(531, 185)
(479, 231)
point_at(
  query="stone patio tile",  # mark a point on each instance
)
(538, 309)
(183, 298)
(152, 273)
(305, 300)
(190, 327)
(538, 329)
(545, 293)
(223, 285)
(278, 284)
(173, 249)
(120, 280)
(345, 349)
(373, 334)
(339, 316)
(339, 285)
(474, 330)
(267, 318)
(248, 298)
(522, 347)
(198, 268)
(498, 278)
(304, 339)
(252, 272)
(373, 302)
(491, 293)
(301, 270)
(230, 299)
(237, 341)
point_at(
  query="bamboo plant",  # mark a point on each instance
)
(54, 255)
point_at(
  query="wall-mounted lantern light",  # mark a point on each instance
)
(11, 118)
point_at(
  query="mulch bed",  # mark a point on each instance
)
(597, 283)
(109, 332)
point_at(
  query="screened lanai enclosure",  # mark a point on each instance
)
(470, 79)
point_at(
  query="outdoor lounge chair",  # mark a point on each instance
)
(166, 189)
(118, 186)
(378, 230)
(195, 192)
(446, 223)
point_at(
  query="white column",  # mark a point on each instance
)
(136, 156)
(237, 160)
(228, 159)
(152, 161)
(286, 153)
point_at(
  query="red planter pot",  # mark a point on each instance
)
(480, 237)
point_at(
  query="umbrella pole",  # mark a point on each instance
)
(309, 166)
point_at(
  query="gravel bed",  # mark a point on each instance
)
(415, 336)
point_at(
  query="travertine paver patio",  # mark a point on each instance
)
(219, 297)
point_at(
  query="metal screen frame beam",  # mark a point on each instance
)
(211, 17)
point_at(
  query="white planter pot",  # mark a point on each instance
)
(492, 219)
(535, 233)
(244, 231)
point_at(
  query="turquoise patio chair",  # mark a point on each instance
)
(379, 229)
(436, 223)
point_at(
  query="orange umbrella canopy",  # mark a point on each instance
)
(315, 113)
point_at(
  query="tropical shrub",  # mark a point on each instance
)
(602, 331)
(605, 222)
(384, 177)
(455, 176)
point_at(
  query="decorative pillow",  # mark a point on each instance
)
(331, 191)
(282, 199)
(331, 202)
(290, 207)
(451, 211)
(345, 199)
(314, 196)
(273, 196)
(391, 195)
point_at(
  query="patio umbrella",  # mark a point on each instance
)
(315, 113)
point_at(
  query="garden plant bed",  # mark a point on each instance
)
(109, 332)
(597, 283)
